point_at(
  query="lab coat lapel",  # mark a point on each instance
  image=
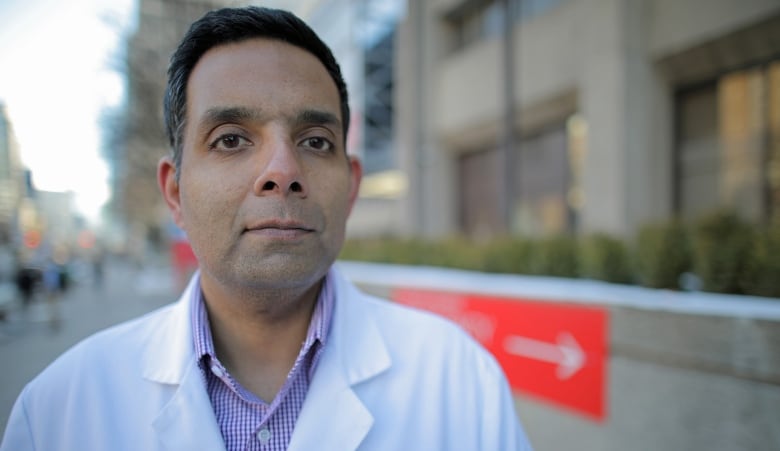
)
(333, 416)
(187, 420)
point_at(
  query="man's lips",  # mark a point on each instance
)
(279, 228)
(280, 224)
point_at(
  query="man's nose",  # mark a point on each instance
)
(281, 172)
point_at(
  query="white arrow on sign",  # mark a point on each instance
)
(566, 353)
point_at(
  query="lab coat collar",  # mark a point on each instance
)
(169, 348)
(333, 416)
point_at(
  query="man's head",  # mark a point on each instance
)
(260, 179)
(229, 25)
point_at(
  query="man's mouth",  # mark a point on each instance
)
(280, 229)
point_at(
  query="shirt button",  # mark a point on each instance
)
(264, 435)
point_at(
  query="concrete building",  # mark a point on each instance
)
(25, 211)
(616, 112)
(12, 179)
(588, 115)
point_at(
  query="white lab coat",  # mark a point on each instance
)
(390, 378)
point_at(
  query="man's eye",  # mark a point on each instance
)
(318, 143)
(228, 142)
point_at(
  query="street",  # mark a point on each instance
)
(30, 339)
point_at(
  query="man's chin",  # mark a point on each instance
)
(281, 271)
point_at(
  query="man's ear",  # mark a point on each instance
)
(169, 187)
(355, 176)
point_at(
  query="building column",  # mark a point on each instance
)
(627, 173)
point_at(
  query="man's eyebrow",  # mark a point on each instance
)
(222, 115)
(239, 114)
(316, 117)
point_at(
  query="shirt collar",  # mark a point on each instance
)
(319, 325)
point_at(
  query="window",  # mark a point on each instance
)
(378, 105)
(476, 20)
(728, 145)
(547, 191)
(480, 212)
(543, 182)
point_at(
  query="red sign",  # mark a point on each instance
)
(551, 350)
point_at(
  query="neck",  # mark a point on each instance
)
(259, 338)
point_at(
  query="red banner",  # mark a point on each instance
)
(551, 350)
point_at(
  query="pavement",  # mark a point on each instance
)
(32, 338)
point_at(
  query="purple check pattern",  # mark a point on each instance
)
(246, 421)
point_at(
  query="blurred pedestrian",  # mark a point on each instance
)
(52, 289)
(98, 267)
(7, 262)
(26, 281)
(269, 347)
(7, 275)
(51, 278)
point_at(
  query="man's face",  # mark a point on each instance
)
(266, 186)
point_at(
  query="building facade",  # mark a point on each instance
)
(12, 180)
(483, 117)
(573, 116)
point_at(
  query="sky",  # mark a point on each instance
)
(58, 63)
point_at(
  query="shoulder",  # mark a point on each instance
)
(104, 368)
(406, 329)
(110, 350)
(417, 322)
(451, 388)
(386, 312)
(86, 386)
(416, 335)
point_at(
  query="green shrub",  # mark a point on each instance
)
(605, 258)
(361, 250)
(409, 251)
(381, 250)
(722, 243)
(662, 253)
(762, 275)
(453, 253)
(508, 255)
(728, 255)
(555, 256)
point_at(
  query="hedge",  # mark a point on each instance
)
(662, 253)
(727, 255)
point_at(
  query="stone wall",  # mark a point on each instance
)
(684, 371)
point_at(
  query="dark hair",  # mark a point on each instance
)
(230, 25)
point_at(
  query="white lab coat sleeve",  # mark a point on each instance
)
(18, 435)
(501, 428)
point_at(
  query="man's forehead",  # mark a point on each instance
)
(251, 48)
(260, 75)
(259, 62)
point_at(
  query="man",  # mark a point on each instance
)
(269, 346)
